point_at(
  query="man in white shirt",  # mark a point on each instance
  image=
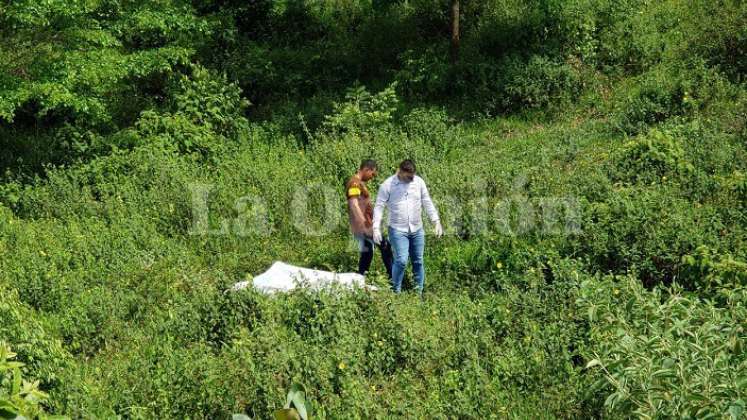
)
(405, 194)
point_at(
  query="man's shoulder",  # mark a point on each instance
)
(419, 180)
(353, 181)
(354, 188)
(389, 180)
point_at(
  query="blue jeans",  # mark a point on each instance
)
(406, 245)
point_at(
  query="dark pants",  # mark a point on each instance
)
(366, 246)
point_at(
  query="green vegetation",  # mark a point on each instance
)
(588, 158)
(18, 398)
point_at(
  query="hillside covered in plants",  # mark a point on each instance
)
(588, 158)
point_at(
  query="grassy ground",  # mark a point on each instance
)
(115, 289)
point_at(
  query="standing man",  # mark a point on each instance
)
(360, 211)
(405, 194)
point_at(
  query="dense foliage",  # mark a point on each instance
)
(589, 159)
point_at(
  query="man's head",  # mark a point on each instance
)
(406, 172)
(368, 170)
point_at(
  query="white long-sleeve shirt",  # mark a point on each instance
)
(405, 201)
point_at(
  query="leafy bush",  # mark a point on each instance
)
(355, 352)
(19, 398)
(508, 84)
(362, 111)
(653, 98)
(666, 356)
(38, 349)
(646, 230)
(97, 65)
(211, 102)
(424, 74)
(427, 123)
(718, 35)
(538, 82)
(208, 113)
(635, 35)
(667, 92)
(179, 132)
(736, 187)
(654, 157)
(714, 273)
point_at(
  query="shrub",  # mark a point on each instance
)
(660, 355)
(652, 98)
(210, 101)
(38, 349)
(424, 74)
(427, 123)
(538, 82)
(735, 186)
(6, 215)
(717, 33)
(634, 35)
(654, 157)
(666, 92)
(712, 272)
(362, 110)
(19, 398)
(646, 230)
(178, 132)
(207, 116)
(92, 317)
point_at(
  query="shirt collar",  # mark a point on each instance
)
(397, 181)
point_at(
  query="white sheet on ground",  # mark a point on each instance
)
(282, 277)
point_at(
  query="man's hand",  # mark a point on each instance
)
(439, 230)
(377, 236)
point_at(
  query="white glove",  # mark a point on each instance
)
(377, 236)
(439, 229)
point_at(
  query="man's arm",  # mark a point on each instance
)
(382, 197)
(353, 193)
(358, 220)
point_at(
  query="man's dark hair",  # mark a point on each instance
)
(368, 164)
(407, 166)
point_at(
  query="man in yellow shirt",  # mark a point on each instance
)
(360, 211)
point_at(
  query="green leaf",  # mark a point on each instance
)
(592, 363)
(736, 411)
(13, 365)
(297, 399)
(16, 387)
(630, 304)
(287, 414)
(668, 363)
(8, 410)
